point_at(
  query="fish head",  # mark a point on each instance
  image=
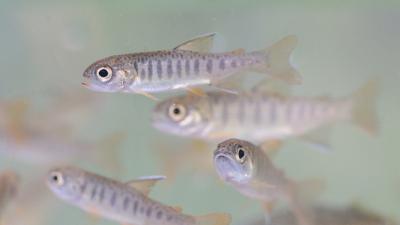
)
(66, 183)
(233, 160)
(182, 116)
(111, 74)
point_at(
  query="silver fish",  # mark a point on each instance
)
(186, 66)
(258, 116)
(248, 169)
(123, 202)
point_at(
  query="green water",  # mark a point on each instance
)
(46, 45)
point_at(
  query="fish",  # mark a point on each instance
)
(187, 66)
(51, 141)
(9, 185)
(330, 215)
(248, 169)
(260, 115)
(127, 203)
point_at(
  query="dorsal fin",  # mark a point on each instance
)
(202, 43)
(144, 184)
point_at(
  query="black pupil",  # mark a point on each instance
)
(103, 73)
(241, 153)
(177, 111)
(55, 178)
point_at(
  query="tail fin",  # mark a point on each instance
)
(214, 219)
(106, 151)
(277, 59)
(363, 112)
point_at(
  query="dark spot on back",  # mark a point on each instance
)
(149, 211)
(159, 214)
(169, 68)
(135, 206)
(222, 64)
(196, 66)
(209, 66)
(113, 198)
(159, 69)
(179, 68)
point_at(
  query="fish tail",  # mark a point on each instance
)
(277, 61)
(363, 111)
(214, 219)
(106, 151)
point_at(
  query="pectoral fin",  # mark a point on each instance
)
(144, 184)
(199, 44)
(319, 139)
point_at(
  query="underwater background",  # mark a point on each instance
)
(46, 45)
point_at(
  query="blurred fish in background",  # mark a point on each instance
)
(48, 137)
(329, 215)
(126, 203)
(260, 116)
(249, 170)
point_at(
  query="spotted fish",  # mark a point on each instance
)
(248, 169)
(258, 116)
(126, 203)
(186, 66)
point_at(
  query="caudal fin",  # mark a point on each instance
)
(277, 59)
(363, 112)
(214, 219)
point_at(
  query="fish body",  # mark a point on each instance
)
(248, 169)
(186, 66)
(9, 185)
(258, 116)
(118, 201)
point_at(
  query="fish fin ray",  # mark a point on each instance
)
(272, 146)
(319, 139)
(196, 91)
(364, 107)
(148, 95)
(144, 184)
(277, 61)
(213, 219)
(202, 43)
(177, 209)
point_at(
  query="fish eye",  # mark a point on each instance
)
(104, 73)
(57, 178)
(177, 112)
(240, 154)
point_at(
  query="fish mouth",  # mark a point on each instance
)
(226, 167)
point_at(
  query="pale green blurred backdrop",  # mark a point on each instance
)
(46, 45)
